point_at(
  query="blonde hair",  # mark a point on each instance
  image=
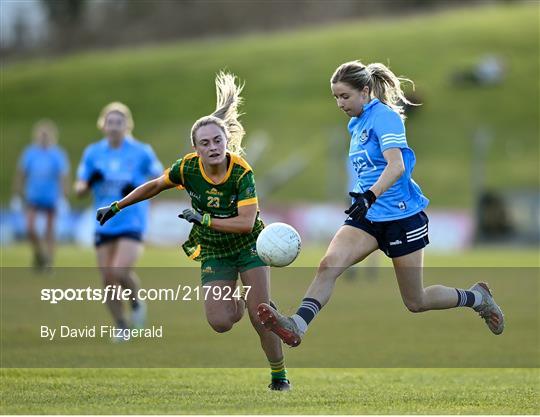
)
(47, 126)
(226, 115)
(382, 82)
(116, 107)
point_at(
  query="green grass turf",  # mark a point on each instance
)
(242, 391)
(340, 368)
(287, 95)
(19, 255)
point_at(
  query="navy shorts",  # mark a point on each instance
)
(49, 208)
(101, 238)
(397, 237)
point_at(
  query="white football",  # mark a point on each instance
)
(278, 244)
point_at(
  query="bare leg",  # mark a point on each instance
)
(31, 215)
(349, 246)
(409, 274)
(105, 257)
(222, 313)
(50, 237)
(126, 255)
(259, 280)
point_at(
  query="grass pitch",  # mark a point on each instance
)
(242, 391)
(331, 373)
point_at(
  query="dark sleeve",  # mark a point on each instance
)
(173, 174)
(247, 194)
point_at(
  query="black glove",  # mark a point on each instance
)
(126, 189)
(105, 213)
(95, 177)
(193, 217)
(362, 202)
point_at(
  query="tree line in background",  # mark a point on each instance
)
(82, 24)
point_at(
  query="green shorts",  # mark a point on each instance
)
(228, 268)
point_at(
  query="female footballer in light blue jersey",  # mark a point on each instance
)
(41, 180)
(111, 168)
(387, 212)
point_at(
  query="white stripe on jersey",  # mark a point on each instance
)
(402, 142)
(397, 135)
(393, 138)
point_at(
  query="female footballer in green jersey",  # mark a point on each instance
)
(225, 219)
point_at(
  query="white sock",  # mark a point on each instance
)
(477, 298)
(301, 323)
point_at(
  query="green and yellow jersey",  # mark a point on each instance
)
(220, 200)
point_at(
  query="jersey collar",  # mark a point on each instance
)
(370, 104)
(227, 175)
(125, 140)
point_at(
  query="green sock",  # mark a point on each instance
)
(278, 369)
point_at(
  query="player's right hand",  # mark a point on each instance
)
(193, 217)
(105, 213)
(362, 202)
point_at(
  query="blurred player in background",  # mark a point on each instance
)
(41, 181)
(225, 219)
(111, 168)
(387, 210)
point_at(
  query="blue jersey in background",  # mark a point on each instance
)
(131, 163)
(43, 169)
(377, 129)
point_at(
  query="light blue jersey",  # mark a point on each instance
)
(351, 176)
(377, 129)
(43, 168)
(132, 163)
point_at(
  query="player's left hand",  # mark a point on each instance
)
(194, 217)
(362, 202)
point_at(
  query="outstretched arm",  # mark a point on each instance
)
(143, 192)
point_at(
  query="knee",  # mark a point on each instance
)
(415, 305)
(220, 326)
(109, 279)
(110, 276)
(328, 262)
(118, 273)
(31, 231)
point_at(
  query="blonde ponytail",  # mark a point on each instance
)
(382, 82)
(386, 86)
(226, 115)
